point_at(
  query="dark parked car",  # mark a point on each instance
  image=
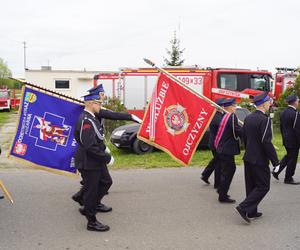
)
(125, 136)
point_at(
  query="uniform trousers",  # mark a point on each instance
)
(228, 167)
(289, 161)
(257, 180)
(212, 166)
(95, 186)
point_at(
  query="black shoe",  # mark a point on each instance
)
(103, 208)
(226, 200)
(1, 197)
(291, 182)
(77, 199)
(254, 216)
(242, 214)
(205, 179)
(97, 226)
(275, 175)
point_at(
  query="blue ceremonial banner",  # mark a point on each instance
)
(45, 132)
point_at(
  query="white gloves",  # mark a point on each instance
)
(107, 150)
(136, 119)
(276, 169)
(111, 162)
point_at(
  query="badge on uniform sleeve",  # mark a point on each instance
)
(86, 126)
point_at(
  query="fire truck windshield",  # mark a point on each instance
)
(239, 82)
(260, 82)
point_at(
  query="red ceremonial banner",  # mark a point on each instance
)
(175, 120)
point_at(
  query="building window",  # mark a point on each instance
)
(62, 84)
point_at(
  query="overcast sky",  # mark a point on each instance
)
(107, 35)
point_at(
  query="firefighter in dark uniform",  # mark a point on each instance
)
(101, 115)
(290, 137)
(91, 159)
(213, 165)
(227, 146)
(258, 151)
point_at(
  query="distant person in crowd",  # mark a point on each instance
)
(290, 131)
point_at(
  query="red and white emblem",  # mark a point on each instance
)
(176, 119)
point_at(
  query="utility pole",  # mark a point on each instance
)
(24, 43)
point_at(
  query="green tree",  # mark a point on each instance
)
(113, 104)
(175, 53)
(4, 70)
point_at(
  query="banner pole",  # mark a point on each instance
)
(6, 193)
(48, 90)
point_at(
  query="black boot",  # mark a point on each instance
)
(94, 225)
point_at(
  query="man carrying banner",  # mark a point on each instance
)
(227, 146)
(213, 165)
(91, 159)
(259, 150)
(101, 115)
(290, 131)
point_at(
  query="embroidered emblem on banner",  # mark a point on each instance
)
(176, 119)
(50, 131)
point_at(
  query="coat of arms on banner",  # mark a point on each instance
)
(50, 131)
(176, 119)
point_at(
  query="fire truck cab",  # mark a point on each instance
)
(5, 100)
(134, 86)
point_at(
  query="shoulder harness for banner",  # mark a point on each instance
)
(101, 137)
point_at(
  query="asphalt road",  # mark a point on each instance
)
(152, 209)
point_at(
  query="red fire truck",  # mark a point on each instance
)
(284, 78)
(134, 86)
(5, 101)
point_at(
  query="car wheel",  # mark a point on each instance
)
(140, 147)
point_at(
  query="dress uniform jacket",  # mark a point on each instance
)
(89, 134)
(258, 140)
(289, 132)
(229, 143)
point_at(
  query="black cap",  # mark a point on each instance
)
(228, 102)
(261, 98)
(291, 99)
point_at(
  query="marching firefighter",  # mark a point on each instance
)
(258, 151)
(106, 179)
(213, 165)
(227, 146)
(290, 131)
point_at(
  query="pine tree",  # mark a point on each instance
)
(175, 53)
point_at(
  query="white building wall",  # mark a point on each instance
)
(79, 81)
